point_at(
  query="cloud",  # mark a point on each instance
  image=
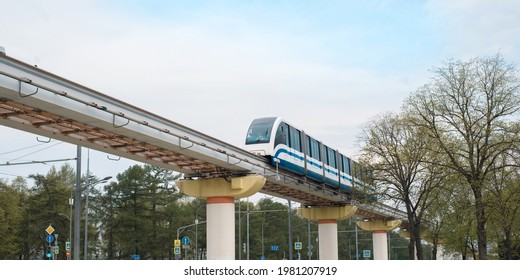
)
(326, 67)
(477, 28)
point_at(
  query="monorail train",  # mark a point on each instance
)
(295, 151)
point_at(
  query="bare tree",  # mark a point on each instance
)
(396, 153)
(467, 111)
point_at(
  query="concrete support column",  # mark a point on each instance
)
(220, 194)
(328, 237)
(380, 244)
(220, 228)
(327, 218)
(379, 231)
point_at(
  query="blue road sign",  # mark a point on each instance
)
(49, 238)
(275, 247)
(177, 250)
(185, 240)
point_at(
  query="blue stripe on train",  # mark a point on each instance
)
(313, 175)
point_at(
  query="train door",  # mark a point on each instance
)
(296, 151)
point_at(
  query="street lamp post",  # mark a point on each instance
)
(71, 202)
(89, 185)
(181, 229)
(77, 209)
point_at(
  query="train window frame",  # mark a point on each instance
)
(295, 139)
(258, 126)
(314, 148)
(282, 137)
(356, 170)
(345, 165)
(331, 153)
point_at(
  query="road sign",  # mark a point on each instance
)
(297, 245)
(262, 258)
(67, 246)
(275, 247)
(49, 230)
(366, 253)
(56, 250)
(185, 240)
(177, 250)
(49, 238)
(178, 257)
(177, 243)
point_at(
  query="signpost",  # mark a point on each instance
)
(49, 238)
(366, 254)
(67, 249)
(177, 249)
(49, 230)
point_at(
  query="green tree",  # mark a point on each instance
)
(47, 204)
(11, 221)
(466, 111)
(135, 213)
(504, 209)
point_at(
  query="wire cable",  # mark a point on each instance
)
(21, 149)
(35, 152)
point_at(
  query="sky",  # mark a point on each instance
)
(327, 67)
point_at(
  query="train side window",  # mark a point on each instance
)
(294, 138)
(314, 148)
(331, 157)
(282, 135)
(346, 165)
(356, 170)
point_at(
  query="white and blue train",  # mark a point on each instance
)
(293, 150)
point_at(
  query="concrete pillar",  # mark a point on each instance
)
(327, 218)
(328, 238)
(220, 227)
(220, 194)
(379, 231)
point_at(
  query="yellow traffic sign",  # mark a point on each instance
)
(177, 243)
(49, 229)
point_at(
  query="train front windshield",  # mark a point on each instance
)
(260, 131)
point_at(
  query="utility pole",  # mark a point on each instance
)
(77, 206)
(290, 230)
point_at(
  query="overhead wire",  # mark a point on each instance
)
(32, 153)
(21, 149)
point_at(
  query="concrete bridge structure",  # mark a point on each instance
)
(43, 103)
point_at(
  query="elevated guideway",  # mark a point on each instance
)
(42, 103)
